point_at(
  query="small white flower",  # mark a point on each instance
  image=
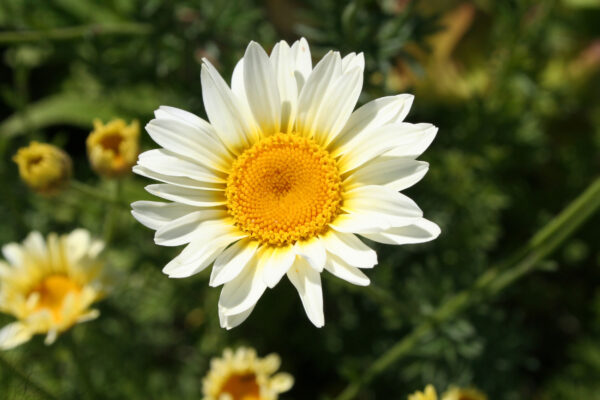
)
(283, 178)
(242, 375)
(49, 285)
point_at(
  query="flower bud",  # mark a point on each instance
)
(113, 148)
(45, 168)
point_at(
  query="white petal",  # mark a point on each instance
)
(308, 284)
(337, 105)
(313, 251)
(359, 223)
(182, 181)
(198, 255)
(166, 112)
(186, 228)
(51, 337)
(88, 316)
(78, 244)
(396, 173)
(382, 202)
(13, 254)
(415, 148)
(313, 93)
(276, 263)
(407, 140)
(190, 141)
(302, 62)
(231, 321)
(235, 128)
(350, 249)
(260, 83)
(242, 293)
(192, 197)
(155, 214)
(339, 268)
(375, 114)
(167, 163)
(232, 261)
(237, 82)
(353, 60)
(283, 64)
(35, 243)
(13, 335)
(420, 231)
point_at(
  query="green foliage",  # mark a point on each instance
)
(514, 148)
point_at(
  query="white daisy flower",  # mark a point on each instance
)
(49, 285)
(283, 178)
(242, 375)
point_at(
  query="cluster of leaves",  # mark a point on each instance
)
(515, 95)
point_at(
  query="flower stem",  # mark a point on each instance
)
(112, 212)
(29, 383)
(74, 32)
(95, 193)
(490, 282)
(85, 386)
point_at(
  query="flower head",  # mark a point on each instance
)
(114, 147)
(43, 167)
(241, 375)
(49, 285)
(455, 393)
(428, 394)
(283, 178)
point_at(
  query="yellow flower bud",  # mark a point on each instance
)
(428, 394)
(43, 167)
(113, 148)
(456, 393)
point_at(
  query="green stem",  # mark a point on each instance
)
(27, 381)
(490, 282)
(74, 32)
(112, 212)
(95, 193)
(85, 387)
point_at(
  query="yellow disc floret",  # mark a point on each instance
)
(242, 387)
(52, 292)
(283, 189)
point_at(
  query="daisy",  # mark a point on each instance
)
(241, 375)
(49, 285)
(283, 178)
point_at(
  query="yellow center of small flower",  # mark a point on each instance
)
(283, 189)
(52, 291)
(242, 387)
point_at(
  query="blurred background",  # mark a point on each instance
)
(514, 87)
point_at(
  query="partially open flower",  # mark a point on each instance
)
(241, 375)
(428, 394)
(43, 167)
(49, 285)
(113, 148)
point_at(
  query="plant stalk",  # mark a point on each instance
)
(491, 282)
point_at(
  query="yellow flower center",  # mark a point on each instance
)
(283, 189)
(53, 290)
(241, 387)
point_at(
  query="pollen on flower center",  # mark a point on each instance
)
(283, 189)
(52, 291)
(242, 387)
